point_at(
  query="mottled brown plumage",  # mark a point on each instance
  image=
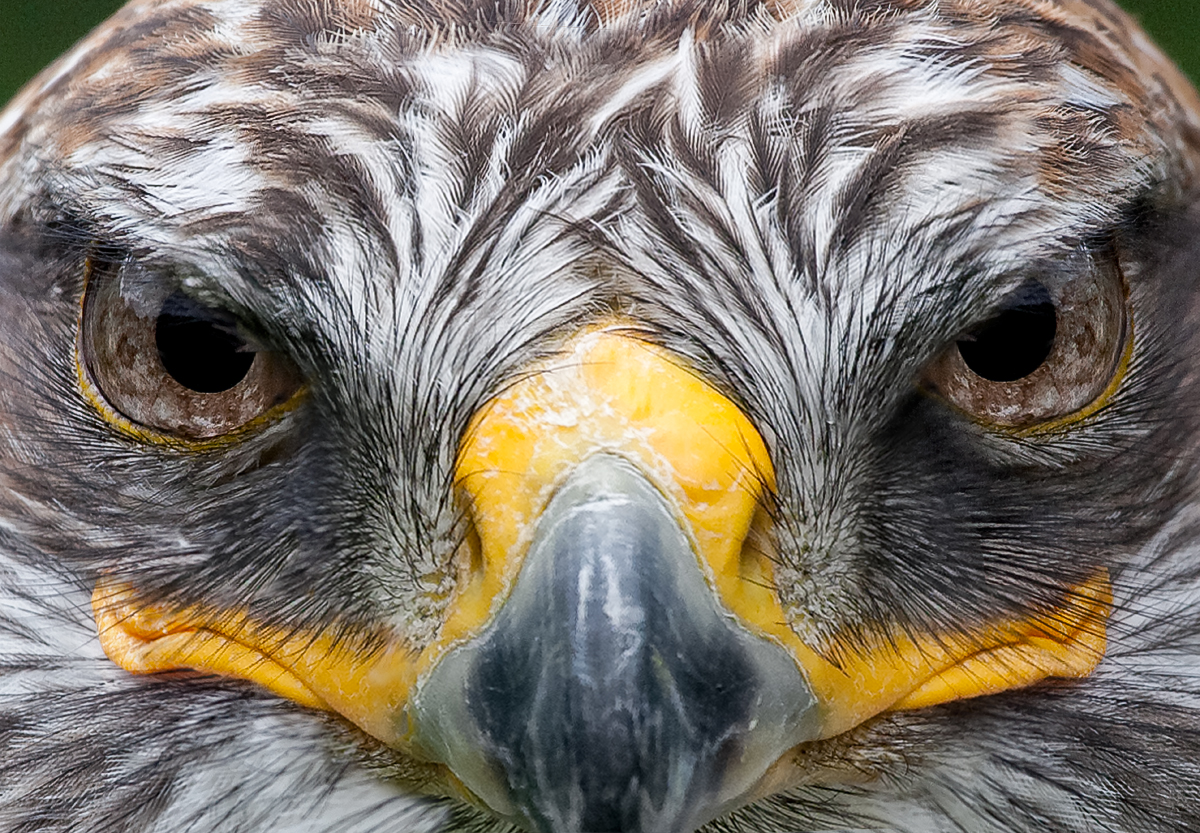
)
(414, 205)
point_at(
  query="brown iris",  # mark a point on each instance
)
(1051, 350)
(168, 362)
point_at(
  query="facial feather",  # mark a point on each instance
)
(805, 202)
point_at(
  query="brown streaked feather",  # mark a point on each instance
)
(806, 200)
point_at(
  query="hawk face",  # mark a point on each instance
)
(600, 417)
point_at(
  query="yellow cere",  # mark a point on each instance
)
(609, 392)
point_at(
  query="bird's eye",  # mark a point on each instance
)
(1054, 349)
(166, 362)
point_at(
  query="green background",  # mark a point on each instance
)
(33, 32)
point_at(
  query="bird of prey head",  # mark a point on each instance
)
(583, 416)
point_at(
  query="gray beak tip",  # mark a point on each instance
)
(613, 692)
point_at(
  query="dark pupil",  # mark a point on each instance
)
(1016, 342)
(199, 346)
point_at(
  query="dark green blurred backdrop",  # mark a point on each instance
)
(33, 32)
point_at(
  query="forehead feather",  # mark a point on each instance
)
(384, 134)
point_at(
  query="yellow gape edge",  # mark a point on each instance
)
(610, 393)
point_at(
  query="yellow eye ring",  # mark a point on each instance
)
(1100, 402)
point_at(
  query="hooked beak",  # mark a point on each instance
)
(612, 692)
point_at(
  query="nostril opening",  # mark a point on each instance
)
(472, 551)
(757, 556)
(468, 562)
